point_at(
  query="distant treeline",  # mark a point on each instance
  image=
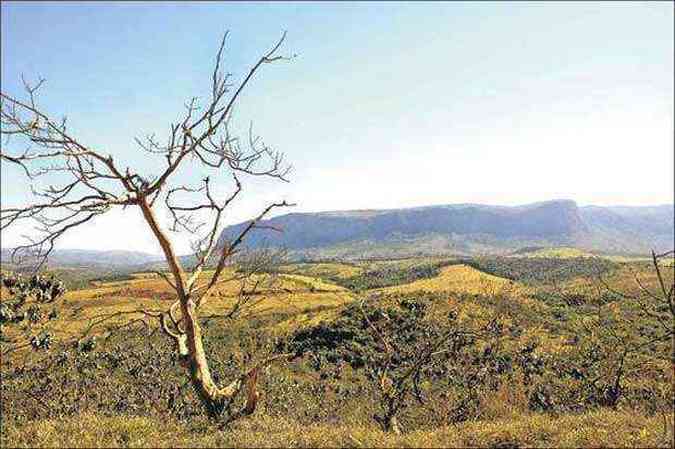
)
(395, 274)
(541, 269)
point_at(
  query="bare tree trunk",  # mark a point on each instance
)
(213, 397)
(391, 425)
(388, 419)
(189, 340)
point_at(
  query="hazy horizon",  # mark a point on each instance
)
(386, 106)
(159, 254)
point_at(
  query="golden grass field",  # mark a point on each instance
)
(559, 252)
(323, 269)
(293, 294)
(305, 298)
(459, 279)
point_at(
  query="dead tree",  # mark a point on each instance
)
(72, 183)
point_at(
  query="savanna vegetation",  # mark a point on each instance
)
(498, 363)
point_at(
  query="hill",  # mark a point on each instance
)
(467, 229)
(91, 258)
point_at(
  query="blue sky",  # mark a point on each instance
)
(387, 104)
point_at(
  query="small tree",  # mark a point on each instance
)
(73, 183)
(399, 347)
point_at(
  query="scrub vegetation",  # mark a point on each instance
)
(456, 357)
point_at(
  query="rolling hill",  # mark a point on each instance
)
(79, 258)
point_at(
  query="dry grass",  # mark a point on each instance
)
(558, 252)
(313, 283)
(595, 429)
(456, 280)
(622, 280)
(323, 269)
(459, 279)
(308, 299)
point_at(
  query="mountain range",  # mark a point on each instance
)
(467, 229)
(457, 229)
(96, 259)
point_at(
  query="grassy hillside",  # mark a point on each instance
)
(561, 252)
(527, 385)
